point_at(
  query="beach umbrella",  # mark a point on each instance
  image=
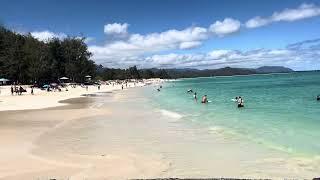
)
(64, 78)
(88, 76)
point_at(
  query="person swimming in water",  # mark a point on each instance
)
(189, 91)
(240, 102)
(204, 99)
(318, 98)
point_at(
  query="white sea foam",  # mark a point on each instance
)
(216, 129)
(170, 114)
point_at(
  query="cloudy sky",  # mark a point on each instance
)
(179, 33)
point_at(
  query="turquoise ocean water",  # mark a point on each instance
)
(280, 112)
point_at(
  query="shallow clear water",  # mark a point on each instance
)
(280, 112)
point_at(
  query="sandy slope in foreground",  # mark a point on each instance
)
(18, 134)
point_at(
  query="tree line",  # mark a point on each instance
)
(26, 60)
(130, 73)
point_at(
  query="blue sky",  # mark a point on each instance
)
(177, 33)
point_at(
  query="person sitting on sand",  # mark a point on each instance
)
(204, 99)
(240, 102)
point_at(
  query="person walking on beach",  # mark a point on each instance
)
(20, 90)
(12, 91)
(87, 88)
(31, 90)
(98, 87)
(122, 86)
(16, 89)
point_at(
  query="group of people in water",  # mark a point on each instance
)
(239, 100)
(204, 98)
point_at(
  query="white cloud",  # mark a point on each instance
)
(138, 44)
(257, 22)
(306, 57)
(89, 40)
(189, 45)
(47, 35)
(227, 26)
(216, 54)
(116, 29)
(302, 12)
(247, 59)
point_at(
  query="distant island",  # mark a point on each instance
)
(227, 71)
(133, 72)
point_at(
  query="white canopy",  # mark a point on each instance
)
(64, 78)
(4, 80)
(88, 76)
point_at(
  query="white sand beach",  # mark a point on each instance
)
(43, 99)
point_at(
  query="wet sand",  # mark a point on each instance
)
(119, 136)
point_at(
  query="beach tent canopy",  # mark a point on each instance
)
(64, 78)
(4, 80)
(88, 76)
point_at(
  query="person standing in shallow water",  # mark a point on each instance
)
(204, 99)
(240, 102)
(195, 96)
